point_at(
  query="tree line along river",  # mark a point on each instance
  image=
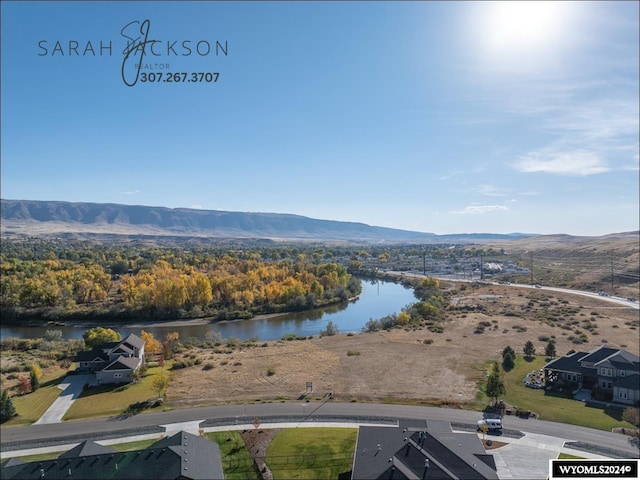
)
(378, 299)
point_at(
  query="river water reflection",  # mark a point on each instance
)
(377, 300)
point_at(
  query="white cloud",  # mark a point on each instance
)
(478, 209)
(492, 191)
(556, 161)
(197, 207)
(131, 192)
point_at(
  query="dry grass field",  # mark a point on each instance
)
(410, 365)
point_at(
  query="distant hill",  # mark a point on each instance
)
(44, 218)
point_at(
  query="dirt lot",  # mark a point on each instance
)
(399, 364)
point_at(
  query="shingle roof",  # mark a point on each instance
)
(121, 348)
(452, 455)
(621, 359)
(87, 448)
(123, 363)
(91, 355)
(200, 462)
(133, 340)
(190, 448)
(599, 354)
(569, 363)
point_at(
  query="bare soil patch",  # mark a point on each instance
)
(257, 442)
(411, 365)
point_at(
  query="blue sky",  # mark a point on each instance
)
(443, 117)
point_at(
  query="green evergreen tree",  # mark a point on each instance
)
(508, 362)
(529, 349)
(509, 350)
(550, 349)
(495, 387)
(7, 410)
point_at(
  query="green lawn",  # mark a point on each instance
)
(566, 456)
(32, 406)
(237, 463)
(556, 408)
(311, 452)
(112, 399)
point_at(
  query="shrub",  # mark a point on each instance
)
(331, 330)
(371, 326)
(631, 415)
(53, 335)
(208, 366)
(178, 364)
(271, 371)
(351, 353)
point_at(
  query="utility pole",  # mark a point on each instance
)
(424, 261)
(481, 277)
(531, 265)
(612, 291)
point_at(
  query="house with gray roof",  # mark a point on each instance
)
(419, 449)
(613, 371)
(113, 362)
(182, 456)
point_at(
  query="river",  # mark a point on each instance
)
(376, 300)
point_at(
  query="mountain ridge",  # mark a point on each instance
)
(41, 218)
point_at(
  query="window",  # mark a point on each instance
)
(622, 373)
(622, 394)
(117, 375)
(606, 372)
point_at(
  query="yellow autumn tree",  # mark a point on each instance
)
(151, 345)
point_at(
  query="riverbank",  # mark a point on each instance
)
(374, 301)
(168, 323)
(29, 321)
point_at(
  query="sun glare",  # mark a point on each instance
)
(524, 24)
(523, 35)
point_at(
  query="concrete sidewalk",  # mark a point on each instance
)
(71, 387)
(528, 457)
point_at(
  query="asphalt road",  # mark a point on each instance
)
(302, 411)
(607, 298)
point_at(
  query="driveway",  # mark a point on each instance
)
(71, 388)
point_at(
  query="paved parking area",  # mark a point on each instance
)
(71, 388)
